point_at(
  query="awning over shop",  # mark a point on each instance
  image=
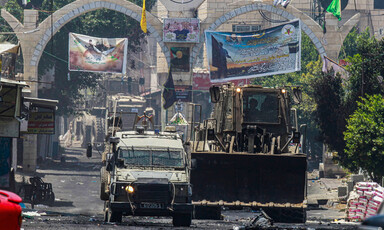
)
(6, 81)
(41, 119)
(8, 48)
(42, 103)
(10, 107)
(8, 55)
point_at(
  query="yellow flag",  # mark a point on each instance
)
(143, 22)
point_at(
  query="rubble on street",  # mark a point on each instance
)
(77, 203)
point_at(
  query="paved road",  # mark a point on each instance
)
(78, 206)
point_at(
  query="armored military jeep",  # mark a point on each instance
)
(147, 174)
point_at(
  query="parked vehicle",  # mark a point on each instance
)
(10, 211)
(374, 222)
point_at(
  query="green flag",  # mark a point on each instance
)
(335, 8)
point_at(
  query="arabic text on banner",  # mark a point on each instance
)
(93, 54)
(41, 123)
(254, 54)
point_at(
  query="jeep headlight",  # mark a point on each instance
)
(129, 189)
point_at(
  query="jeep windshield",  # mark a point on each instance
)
(152, 157)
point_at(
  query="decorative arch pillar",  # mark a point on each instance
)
(34, 37)
(335, 35)
(25, 35)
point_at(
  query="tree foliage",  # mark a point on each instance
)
(349, 47)
(337, 99)
(364, 137)
(364, 69)
(98, 23)
(329, 114)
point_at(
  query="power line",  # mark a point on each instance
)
(271, 20)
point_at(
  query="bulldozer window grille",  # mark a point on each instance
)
(261, 107)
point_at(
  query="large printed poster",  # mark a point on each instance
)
(93, 54)
(180, 59)
(181, 30)
(254, 54)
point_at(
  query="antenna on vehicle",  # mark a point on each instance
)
(114, 117)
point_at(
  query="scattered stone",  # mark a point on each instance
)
(322, 201)
(357, 178)
(350, 186)
(28, 215)
(342, 191)
(260, 221)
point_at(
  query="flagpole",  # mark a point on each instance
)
(163, 111)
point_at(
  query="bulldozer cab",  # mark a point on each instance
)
(260, 107)
(252, 119)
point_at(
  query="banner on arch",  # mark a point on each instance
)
(267, 52)
(92, 54)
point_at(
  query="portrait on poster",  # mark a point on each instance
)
(180, 59)
(272, 51)
(92, 54)
(185, 30)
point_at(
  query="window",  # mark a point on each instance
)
(378, 4)
(260, 107)
(245, 28)
(152, 157)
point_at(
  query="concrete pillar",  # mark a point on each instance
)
(332, 39)
(30, 74)
(30, 153)
(30, 19)
(14, 154)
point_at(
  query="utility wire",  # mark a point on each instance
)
(271, 20)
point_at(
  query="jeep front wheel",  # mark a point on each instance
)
(103, 184)
(114, 216)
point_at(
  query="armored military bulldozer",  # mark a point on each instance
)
(249, 154)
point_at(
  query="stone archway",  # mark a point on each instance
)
(309, 26)
(74, 10)
(34, 37)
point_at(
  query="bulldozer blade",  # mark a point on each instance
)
(253, 180)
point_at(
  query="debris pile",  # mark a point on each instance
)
(364, 201)
(260, 221)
